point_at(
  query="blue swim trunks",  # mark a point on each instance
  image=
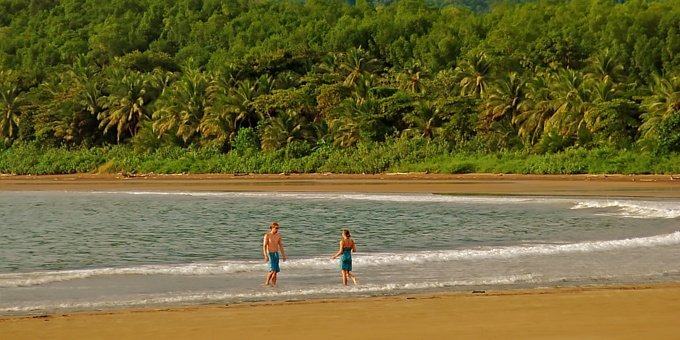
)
(274, 262)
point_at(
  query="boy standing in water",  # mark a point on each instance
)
(347, 247)
(271, 246)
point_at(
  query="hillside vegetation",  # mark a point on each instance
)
(324, 85)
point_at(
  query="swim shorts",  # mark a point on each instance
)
(274, 262)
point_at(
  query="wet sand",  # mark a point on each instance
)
(467, 184)
(610, 312)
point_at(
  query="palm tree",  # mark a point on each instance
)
(355, 63)
(11, 105)
(362, 88)
(218, 127)
(500, 108)
(127, 105)
(240, 100)
(424, 121)
(161, 80)
(183, 108)
(284, 128)
(571, 99)
(326, 72)
(504, 99)
(662, 104)
(220, 121)
(606, 65)
(345, 131)
(361, 118)
(534, 111)
(474, 75)
(412, 76)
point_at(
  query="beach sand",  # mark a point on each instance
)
(608, 312)
(621, 312)
(663, 186)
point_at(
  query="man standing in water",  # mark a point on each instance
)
(271, 246)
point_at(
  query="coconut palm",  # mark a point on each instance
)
(362, 88)
(360, 115)
(662, 104)
(412, 76)
(355, 63)
(606, 65)
(534, 111)
(473, 75)
(284, 128)
(12, 103)
(345, 131)
(161, 80)
(424, 121)
(241, 99)
(182, 109)
(500, 108)
(127, 105)
(327, 71)
(571, 99)
(220, 121)
(504, 99)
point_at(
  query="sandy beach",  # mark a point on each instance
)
(623, 312)
(597, 312)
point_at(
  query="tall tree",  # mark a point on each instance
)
(663, 104)
(474, 74)
(183, 106)
(11, 105)
(128, 104)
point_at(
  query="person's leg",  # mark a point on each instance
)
(274, 276)
(269, 278)
(351, 276)
(344, 277)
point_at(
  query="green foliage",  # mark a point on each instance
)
(30, 158)
(396, 155)
(246, 142)
(343, 86)
(669, 134)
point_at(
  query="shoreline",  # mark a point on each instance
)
(659, 186)
(607, 311)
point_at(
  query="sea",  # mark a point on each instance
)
(66, 251)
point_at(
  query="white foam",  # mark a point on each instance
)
(360, 260)
(340, 196)
(633, 209)
(518, 251)
(265, 294)
(200, 268)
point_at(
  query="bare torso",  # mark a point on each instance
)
(272, 241)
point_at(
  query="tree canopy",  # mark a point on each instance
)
(493, 75)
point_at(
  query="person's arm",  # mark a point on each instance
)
(339, 251)
(264, 248)
(283, 252)
(354, 246)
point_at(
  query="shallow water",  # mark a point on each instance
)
(102, 250)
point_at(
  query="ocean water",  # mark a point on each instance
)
(80, 251)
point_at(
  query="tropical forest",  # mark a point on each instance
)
(316, 86)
